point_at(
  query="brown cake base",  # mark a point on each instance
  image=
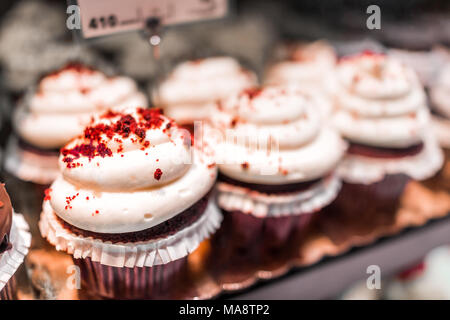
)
(355, 200)
(270, 189)
(246, 239)
(45, 152)
(381, 152)
(9, 290)
(162, 230)
(102, 281)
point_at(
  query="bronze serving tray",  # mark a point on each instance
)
(46, 269)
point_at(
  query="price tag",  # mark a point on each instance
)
(104, 17)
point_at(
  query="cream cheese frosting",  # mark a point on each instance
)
(191, 90)
(64, 101)
(274, 135)
(379, 101)
(307, 64)
(440, 92)
(130, 171)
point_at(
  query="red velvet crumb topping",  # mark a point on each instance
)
(125, 126)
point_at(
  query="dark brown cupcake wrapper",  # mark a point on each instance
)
(362, 199)
(246, 239)
(9, 290)
(102, 281)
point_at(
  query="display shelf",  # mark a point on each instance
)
(332, 275)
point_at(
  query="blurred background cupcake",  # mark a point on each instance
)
(131, 204)
(55, 111)
(440, 104)
(380, 108)
(193, 88)
(307, 65)
(304, 64)
(276, 163)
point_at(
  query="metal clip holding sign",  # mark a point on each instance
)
(105, 17)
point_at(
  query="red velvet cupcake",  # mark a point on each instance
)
(380, 108)
(190, 92)
(440, 104)
(57, 110)
(276, 163)
(130, 204)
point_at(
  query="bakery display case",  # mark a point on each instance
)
(224, 149)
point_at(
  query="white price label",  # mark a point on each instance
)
(103, 17)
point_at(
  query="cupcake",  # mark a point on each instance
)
(191, 90)
(425, 63)
(14, 243)
(427, 280)
(440, 106)
(276, 164)
(306, 64)
(56, 111)
(381, 110)
(130, 204)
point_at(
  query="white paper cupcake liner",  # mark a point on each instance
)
(367, 170)
(441, 128)
(137, 254)
(30, 166)
(231, 197)
(11, 260)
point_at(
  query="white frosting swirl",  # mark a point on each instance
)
(274, 136)
(64, 102)
(190, 91)
(379, 101)
(440, 92)
(112, 182)
(306, 64)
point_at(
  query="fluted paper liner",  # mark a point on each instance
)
(231, 197)
(367, 170)
(29, 166)
(137, 254)
(11, 260)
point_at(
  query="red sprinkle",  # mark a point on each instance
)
(158, 173)
(412, 272)
(211, 165)
(47, 194)
(365, 53)
(252, 92)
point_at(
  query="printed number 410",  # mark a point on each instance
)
(103, 22)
